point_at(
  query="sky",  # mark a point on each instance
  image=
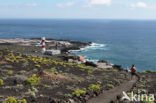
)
(89, 9)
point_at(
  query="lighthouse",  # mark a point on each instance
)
(48, 52)
(43, 45)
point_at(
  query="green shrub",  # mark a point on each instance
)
(32, 92)
(94, 87)
(22, 72)
(79, 92)
(10, 100)
(89, 71)
(117, 81)
(1, 81)
(68, 95)
(53, 69)
(147, 101)
(69, 87)
(56, 84)
(22, 101)
(110, 86)
(34, 80)
(10, 72)
(13, 100)
(37, 66)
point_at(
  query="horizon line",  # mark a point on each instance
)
(84, 19)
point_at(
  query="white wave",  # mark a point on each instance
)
(92, 60)
(96, 46)
(92, 46)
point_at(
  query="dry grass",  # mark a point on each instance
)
(48, 75)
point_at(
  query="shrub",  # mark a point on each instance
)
(32, 92)
(37, 66)
(22, 72)
(79, 92)
(53, 69)
(22, 101)
(1, 81)
(10, 72)
(69, 87)
(148, 100)
(110, 86)
(67, 95)
(34, 80)
(94, 87)
(10, 100)
(56, 84)
(89, 71)
(13, 100)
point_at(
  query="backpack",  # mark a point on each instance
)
(133, 69)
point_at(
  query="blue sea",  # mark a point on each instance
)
(122, 42)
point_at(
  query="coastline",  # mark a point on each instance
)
(65, 46)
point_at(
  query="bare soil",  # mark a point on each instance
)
(54, 86)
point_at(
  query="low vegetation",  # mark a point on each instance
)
(14, 100)
(94, 87)
(1, 82)
(34, 80)
(46, 79)
(79, 92)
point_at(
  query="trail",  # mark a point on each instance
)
(110, 95)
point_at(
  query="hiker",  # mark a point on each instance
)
(133, 71)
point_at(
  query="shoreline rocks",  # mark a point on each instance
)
(63, 45)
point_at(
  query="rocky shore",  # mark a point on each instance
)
(33, 47)
(63, 45)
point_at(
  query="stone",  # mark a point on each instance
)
(71, 101)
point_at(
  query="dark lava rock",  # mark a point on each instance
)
(53, 100)
(118, 97)
(112, 101)
(15, 82)
(90, 64)
(117, 67)
(33, 100)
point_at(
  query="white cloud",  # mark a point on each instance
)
(139, 5)
(30, 4)
(99, 2)
(63, 5)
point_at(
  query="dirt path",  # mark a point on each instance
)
(110, 95)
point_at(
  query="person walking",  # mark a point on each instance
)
(133, 71)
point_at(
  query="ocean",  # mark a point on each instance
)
(122, 42)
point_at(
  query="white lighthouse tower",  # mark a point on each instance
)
(43, 45)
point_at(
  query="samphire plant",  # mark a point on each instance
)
(1, 82)
(10, 72)
(13, 100)
(34, 80)
(79, 92)
(94, 87)
(53, 69)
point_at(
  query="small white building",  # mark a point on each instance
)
(52, 52)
